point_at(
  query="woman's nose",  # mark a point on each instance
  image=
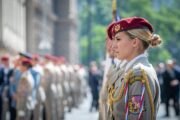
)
(114, 45)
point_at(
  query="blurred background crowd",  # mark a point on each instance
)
(34, 87)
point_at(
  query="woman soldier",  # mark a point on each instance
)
(113, 69)
(109, 69)
(134, 95)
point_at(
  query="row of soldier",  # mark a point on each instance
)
(35, 88)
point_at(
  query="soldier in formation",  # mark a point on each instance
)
(112, 66)
(39, 88)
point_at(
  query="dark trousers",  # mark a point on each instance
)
(0, 107)
(44, 113)
(12, 113)
(175, 98)
(95, 98)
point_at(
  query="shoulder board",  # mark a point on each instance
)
(136, 74)
(111, 70)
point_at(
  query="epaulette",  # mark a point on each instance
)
(139, 74)
(111, 70)
(133, 75)
(136, 74)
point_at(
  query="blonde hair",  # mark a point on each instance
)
(145, 36)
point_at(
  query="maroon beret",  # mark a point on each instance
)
(48, 56)
(54, 58)
(35, 57)
(62, 58)
(26, 62)
(110, 30)
(5, 58)
(132, 23)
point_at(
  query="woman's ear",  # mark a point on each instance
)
(135, 42)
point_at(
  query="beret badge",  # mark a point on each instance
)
(117, 28)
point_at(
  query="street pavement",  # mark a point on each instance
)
(83, 113)
(161, 113)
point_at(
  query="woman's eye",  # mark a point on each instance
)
(118, 39)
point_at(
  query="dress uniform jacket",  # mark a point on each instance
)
(5, 76)
(24, 96)
(76, 87)
(104, 95)
(66, 86)
(50, 90)
(111, 75)
(40, 93)
(59, 96)
(126, 97)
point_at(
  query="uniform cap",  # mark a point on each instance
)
(110, 30)
(62, 58)
(54, 58)
(26, 62)
(26, 55)
(5, 58)
(48, 56)
(132, 23)
(35, 57)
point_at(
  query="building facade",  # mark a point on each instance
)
(52, 28)
(40, 26)
(66, 30)
(12, 26)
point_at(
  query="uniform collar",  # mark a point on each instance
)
(130, 63)
(116, 61)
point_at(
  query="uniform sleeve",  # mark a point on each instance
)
(139, 101)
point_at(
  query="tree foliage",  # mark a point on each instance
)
(165, 20)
